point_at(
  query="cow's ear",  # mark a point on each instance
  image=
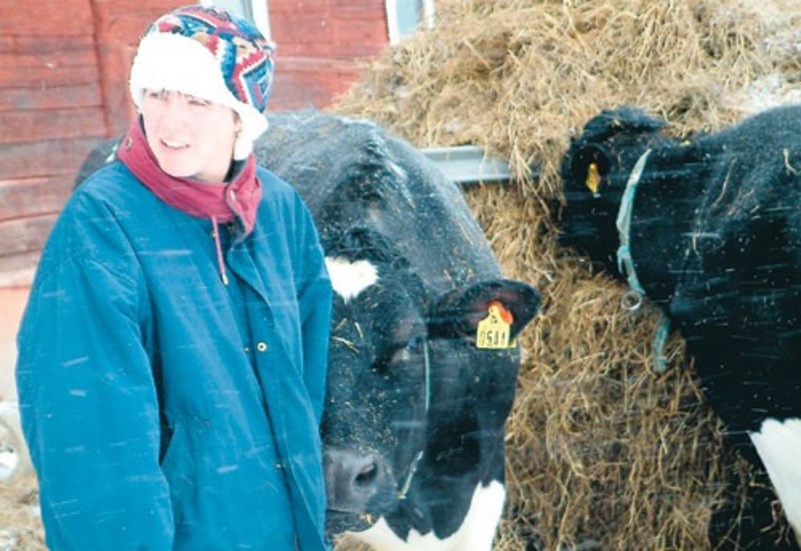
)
(458, 313)
(101, 155)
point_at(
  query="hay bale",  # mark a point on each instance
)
(516, 76)
(600, 448)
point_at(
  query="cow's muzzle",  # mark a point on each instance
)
(356, 482)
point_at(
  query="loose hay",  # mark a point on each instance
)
(600, 448)
(20, 528)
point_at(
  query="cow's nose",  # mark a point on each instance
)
(353, 479)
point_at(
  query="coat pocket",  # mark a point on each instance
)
(180, 463)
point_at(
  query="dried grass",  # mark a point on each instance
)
(20, 527)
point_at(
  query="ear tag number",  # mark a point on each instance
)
(494, 330)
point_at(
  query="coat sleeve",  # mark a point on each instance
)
(87, 396)
(315, 302)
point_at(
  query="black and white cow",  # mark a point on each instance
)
(414, 422)
(709, 229)
(421, 376)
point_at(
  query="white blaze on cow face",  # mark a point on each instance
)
(779, 446)
(350, 278)
(475, 534)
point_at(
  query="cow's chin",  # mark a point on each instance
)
(339, 522)
(345, 519)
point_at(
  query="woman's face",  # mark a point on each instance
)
(190, 137)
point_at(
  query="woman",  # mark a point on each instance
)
(172, 355)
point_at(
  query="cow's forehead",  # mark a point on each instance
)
(350, 278)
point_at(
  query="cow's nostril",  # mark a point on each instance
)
(357, 482)
(367, 475)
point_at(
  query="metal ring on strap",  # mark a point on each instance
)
(632, 300)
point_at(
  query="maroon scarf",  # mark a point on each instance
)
(237, 201)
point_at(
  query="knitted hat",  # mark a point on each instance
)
(210, 54)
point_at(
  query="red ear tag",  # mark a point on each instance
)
(494, 330)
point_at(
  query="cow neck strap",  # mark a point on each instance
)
(407, 483)
(625, 263)
(632, 300)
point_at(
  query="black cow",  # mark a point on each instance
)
(709, 229)
(414, 420)
(415, 416)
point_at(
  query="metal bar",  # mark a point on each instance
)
(468, 164)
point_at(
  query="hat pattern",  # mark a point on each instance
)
(244, 55)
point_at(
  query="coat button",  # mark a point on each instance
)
(261, 347)
(247, 350)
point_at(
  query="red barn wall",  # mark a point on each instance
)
(63, 87)
(50, 114)
(319, 43)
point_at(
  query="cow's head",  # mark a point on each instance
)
(389, 345)
(374, 419)
(595, 170)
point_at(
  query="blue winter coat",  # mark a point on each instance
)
(163, 409)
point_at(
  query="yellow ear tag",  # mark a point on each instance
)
(593, 181)
(494, 330)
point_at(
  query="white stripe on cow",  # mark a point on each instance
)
(779, 446)
(350, 278)
(475, 534)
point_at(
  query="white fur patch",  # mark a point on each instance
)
(14, 458)
(779, 446)
(350, 278)
(475, 534)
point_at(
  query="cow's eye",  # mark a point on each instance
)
(414, 348)
(406, 352)
(415, 345)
